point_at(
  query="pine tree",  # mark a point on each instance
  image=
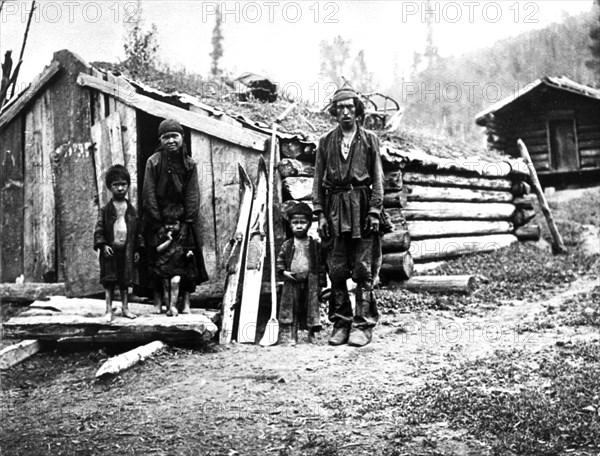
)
(141, 46)
(594, 62)
(217, 45)
(334, 60)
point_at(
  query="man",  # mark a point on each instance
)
(348, 198)
(171, 177)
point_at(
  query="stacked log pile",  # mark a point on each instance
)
(439, 208)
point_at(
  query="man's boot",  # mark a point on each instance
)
(340, 334)
(365, 318)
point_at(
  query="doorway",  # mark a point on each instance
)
(563, 145)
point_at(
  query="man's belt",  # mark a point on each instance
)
(345, 188)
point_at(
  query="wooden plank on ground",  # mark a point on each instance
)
(73, 171)
(125, 93)
(144, 328)
(129, 359)
(87, 307)
(11, 202)
(16, 353)
(30, 291)
(39, 227)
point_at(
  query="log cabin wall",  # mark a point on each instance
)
(559, 128)
(439, 209)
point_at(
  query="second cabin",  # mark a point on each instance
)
(559, 122)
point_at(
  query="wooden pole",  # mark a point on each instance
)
(557, 245)
(14, 82)
(128, 359)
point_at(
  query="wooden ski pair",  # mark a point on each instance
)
(255, 253)
(247, 255)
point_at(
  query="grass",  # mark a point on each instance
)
(520, 271)
(516, 403)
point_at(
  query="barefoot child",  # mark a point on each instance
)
(174, 258)
(117, 239)
(300, 264)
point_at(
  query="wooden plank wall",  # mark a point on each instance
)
(74, 179)
(39, 249)
(11, 201)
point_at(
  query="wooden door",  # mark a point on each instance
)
(563, 147)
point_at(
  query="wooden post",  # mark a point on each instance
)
(557, 245)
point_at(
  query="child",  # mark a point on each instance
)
(118, 240)
(174, 258)
(303, 271)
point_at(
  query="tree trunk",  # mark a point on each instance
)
(456, 180)
(289, 167)
(440, 284)
(420, 229)
(129, 359)
(423, 193)
(395, 198)
(396, 241)
(529, 232)
(454, 211)
(558, 244)
(433, 249)
(397, 266)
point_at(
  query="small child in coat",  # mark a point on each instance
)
(302, 268)
(116, 236)
(174, 258)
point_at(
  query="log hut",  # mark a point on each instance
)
(559, 122)
(440, 206)
(58, 138)
(60, 135)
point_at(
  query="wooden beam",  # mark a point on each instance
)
(15, 108)
(456, 180)
(145, 328)
(558, 245)
(420, 229)
(434, 249)
(30, 291)
(426, 193)
(440, 284)
(16, 353)
(416, 210)
(129, 359)
(125, 93)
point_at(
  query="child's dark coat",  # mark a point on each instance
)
(103, 235)
(316, 281)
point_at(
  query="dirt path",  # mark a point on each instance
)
(246, 400)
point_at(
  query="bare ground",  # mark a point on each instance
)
(249, 400)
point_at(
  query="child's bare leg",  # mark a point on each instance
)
(125, 301)
(157, 302)
(186, 302)
(174, 295)
(108, 290)
(166, 286)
